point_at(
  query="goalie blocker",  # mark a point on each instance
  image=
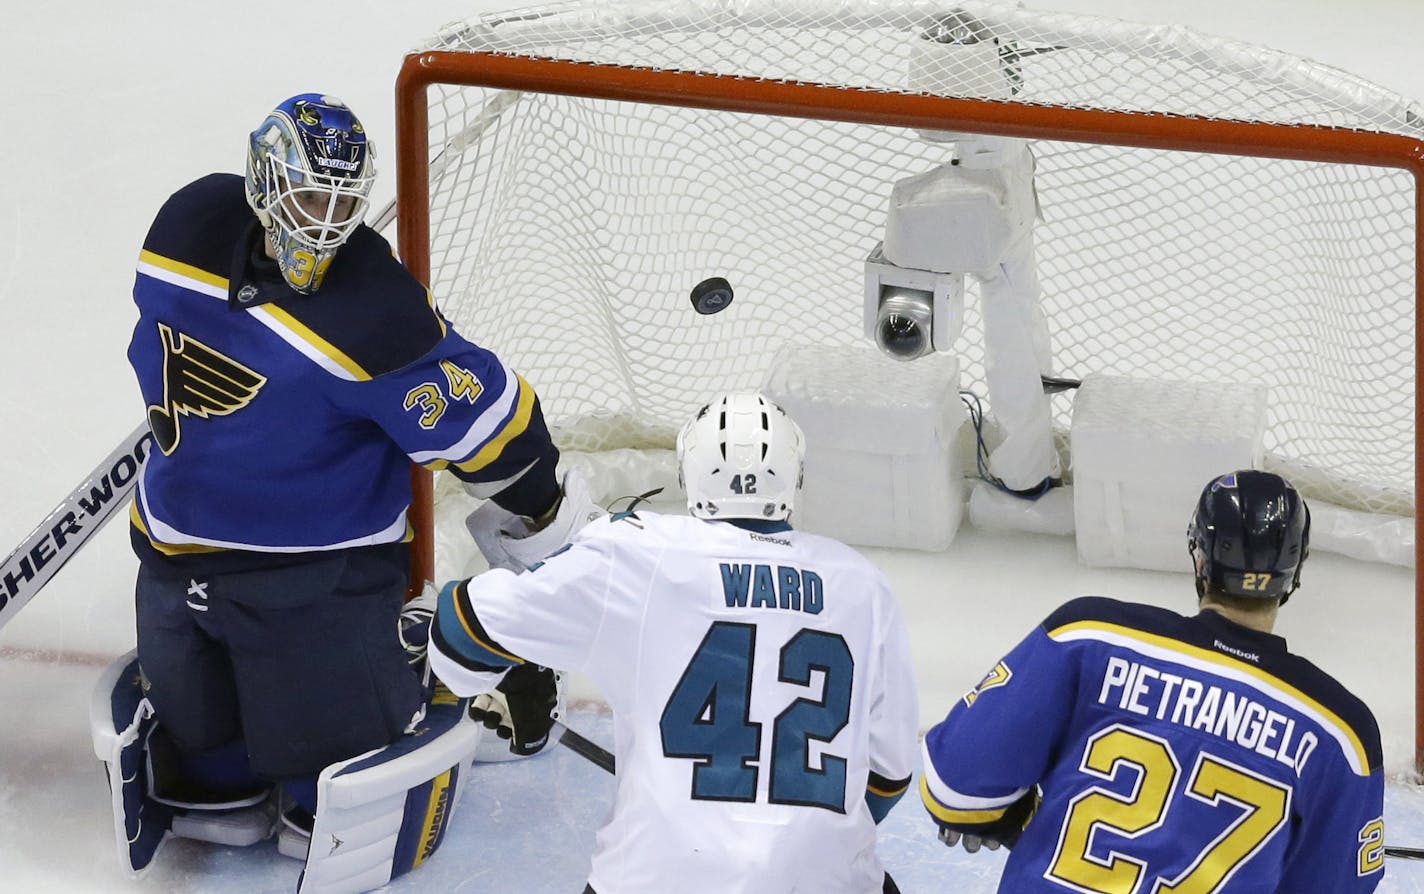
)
(379, 814)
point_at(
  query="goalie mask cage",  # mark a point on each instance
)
(1209, 210)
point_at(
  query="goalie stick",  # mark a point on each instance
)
(69, 526)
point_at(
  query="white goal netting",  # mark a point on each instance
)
(566, 232)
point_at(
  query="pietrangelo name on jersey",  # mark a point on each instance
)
(1149, 692)
(765, 586)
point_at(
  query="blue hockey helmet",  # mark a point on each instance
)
(1249, 536)
(309, 176)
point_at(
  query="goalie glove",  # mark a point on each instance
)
(522, 708)
(516, 542)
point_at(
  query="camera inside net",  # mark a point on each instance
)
(910, 313)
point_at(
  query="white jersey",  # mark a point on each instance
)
(759, 683)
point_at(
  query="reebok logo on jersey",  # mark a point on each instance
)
(762, 538)
(1239, 653)
(197, 381)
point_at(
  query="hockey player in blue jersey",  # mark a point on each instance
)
(760, 677)
(292, 370)
(1124, 748)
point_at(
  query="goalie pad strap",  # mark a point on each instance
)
(384, 812)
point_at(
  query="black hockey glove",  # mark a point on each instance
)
(522, 708)
(1003, 831)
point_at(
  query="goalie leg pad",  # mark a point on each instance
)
(383, 813)
(120, 722)
(140, 763)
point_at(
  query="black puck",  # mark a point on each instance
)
(711, 296)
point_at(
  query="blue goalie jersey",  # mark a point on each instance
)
(287, 423)
(1172, 754)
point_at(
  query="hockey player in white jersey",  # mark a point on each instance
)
(761, 681)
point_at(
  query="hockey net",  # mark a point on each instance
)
(1210, 211)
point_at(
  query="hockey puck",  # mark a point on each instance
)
(711, 296)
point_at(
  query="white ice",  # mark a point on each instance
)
(107, 107)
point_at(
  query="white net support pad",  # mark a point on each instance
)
(882, 458)
(1143, 450)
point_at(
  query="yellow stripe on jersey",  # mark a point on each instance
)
(168, 549)
(516, 426)
(326, 348)
(430, 300)
(183, 549)
(959, 817)
(887, 792)
(184, 270)
(1212, 661)
(460, 601)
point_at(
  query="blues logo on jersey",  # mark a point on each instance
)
(199, 381)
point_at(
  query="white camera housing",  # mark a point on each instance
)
(932, 302)
(959, 56)
(963, 217)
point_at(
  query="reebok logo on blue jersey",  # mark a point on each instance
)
(1239, 653)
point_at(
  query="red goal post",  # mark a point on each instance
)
(594, 70)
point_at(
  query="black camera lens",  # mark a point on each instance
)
(901, 336)
(903, 325)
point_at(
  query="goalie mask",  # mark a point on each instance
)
(1249, 536)
(741, 456)
(309, 173)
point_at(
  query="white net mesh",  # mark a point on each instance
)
(566, 233)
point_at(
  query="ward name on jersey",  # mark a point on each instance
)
(271, 397)
(762, 689)
(772, 586)
(1173, 754)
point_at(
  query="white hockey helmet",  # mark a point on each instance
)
(741, 456)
